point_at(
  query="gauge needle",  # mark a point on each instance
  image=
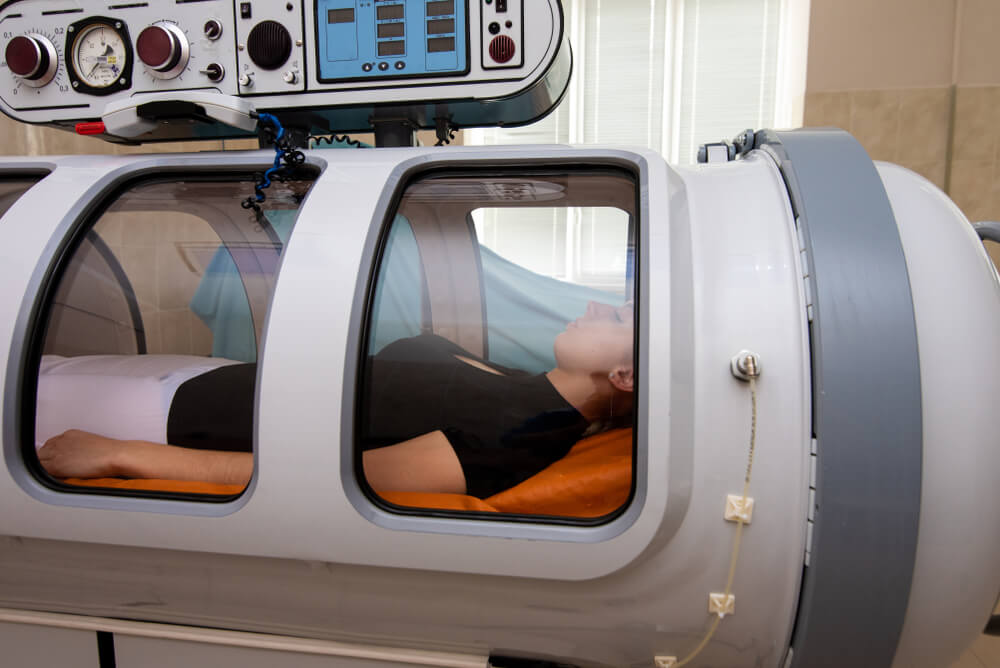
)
(101, 59)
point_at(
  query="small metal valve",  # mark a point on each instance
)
(745, 365)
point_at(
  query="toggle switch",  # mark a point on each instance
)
(215, 72)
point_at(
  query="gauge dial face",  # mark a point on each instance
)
(99, 55)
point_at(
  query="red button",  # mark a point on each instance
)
(24, 56)
(156, 47)
(92, 128)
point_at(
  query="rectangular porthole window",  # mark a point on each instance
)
(141, 377)
(499, 370)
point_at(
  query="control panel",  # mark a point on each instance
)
(270, 55)
(382, 40)
(167, 69)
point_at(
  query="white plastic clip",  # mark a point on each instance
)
(739, 508)
(721, 605)
(665, 661)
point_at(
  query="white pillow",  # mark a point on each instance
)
(120, 396)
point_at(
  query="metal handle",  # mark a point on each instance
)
(988, 230)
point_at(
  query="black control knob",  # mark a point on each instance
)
(214, 71)
(212, 29)
(269, 45)
(31, 57)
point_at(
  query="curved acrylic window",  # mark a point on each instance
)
(12, 187)
(150, 335)
(499, 374)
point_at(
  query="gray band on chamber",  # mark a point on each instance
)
(866, 404)
(988, 230)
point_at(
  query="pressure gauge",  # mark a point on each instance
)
(99, 54)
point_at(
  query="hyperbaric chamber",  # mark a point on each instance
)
(610, 534)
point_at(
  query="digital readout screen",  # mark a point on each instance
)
(391, 29)
(396, 48)
(340, 15)
(384, 12)
(439, 44)
(441, 8)
(440, 26)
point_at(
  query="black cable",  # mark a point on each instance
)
(445, 129)
(336, 139)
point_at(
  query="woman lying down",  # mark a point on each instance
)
(435, 418)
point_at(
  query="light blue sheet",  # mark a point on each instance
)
(220, 300)
(525, 311)
(399, 297)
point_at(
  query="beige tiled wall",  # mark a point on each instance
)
(909, 127)
(913, 127)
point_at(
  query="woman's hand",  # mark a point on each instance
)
(80, 454)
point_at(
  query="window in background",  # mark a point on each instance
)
(668, 75)
(673, 74)
(586, 244)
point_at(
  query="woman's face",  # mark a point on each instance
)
(598, 342)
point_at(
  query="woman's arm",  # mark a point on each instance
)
(426, 463)
(80, 454)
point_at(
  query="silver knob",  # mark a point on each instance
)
(164, 49)
(290, 76)
(32, 58)
(246, 80)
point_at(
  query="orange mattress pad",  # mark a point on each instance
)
(592, 480)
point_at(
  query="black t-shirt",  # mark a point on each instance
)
(214, 410)
(504, 428)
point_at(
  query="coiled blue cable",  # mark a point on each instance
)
(279, 153)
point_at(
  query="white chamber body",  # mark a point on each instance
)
(718, 258)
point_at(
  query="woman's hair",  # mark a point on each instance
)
(615, 418)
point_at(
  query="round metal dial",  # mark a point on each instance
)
(33, 58)
(164, 49)
(100, 55)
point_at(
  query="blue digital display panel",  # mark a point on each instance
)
(370, 39)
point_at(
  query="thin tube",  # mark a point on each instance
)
(739, 529)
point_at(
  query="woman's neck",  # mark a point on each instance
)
(590, 396)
